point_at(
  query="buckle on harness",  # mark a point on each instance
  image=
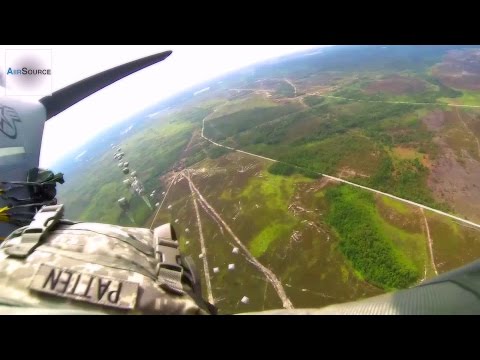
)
(169, 270)
(167, 255)
(169, 277)
(44, 219)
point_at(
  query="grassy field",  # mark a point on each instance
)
(468, 97)
(454, 244)
(272, 194)
(403, 225)
(233, 106)
(396, 205)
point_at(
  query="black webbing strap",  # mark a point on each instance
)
(32, 236)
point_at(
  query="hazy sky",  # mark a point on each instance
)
(187, 66)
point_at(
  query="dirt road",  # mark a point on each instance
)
(206, 269)
(430, 242)
(269, 275)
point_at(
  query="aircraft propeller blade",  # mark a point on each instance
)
(71, 94)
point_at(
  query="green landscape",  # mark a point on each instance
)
(264, 155)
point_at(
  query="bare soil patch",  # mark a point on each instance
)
(457, 184)
(460, 69)
(434, 120)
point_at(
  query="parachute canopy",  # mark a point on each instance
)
(123, 203)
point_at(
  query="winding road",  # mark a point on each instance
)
(292, 85)
(430, 242)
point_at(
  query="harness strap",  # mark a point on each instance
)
(46, 218)
(107, 261)
(111, 232)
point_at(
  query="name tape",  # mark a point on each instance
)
(90, 288)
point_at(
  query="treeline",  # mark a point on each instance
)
(394, 131)
(194, 115)
(212, 152)
(284, 89)
(280, 168)
(358, 94)
(232, 124)
(313, 100)
(216, 151)
(195, 157)
(276, 131)
(369, 115)
(427, 96)
(371, 254)
(325, 156)
(369, 118)
(407, 179)
(444, 90)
